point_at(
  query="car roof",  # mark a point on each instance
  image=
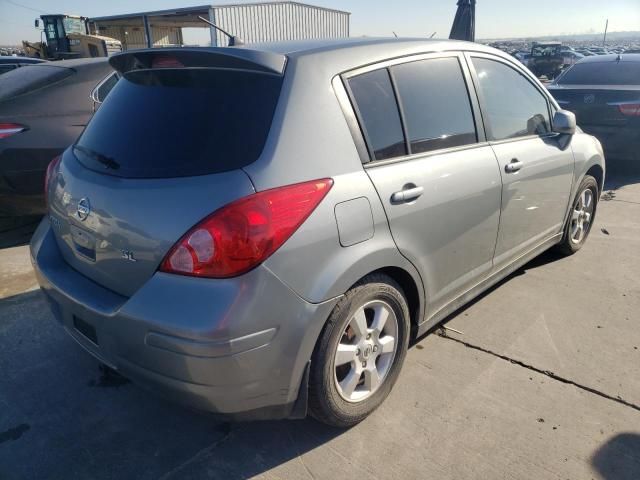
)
(612, 57)
(333, 54)
(12, 59)
(297, 48)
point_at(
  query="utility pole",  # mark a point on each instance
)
(606, 27)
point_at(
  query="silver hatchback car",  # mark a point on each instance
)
(258, 231)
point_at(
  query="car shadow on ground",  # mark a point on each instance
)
(619, 458)
(619, 176)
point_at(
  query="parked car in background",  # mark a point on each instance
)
(230, 231)
(546, 59)
(9, 63)
(604, 93)
(43, 109)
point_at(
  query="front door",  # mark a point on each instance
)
(536, 165)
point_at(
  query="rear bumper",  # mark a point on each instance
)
(237, 347)
(621, 144)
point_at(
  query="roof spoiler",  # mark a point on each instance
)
(200, 57)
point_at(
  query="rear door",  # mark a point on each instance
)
(436, 176)
(536, 165)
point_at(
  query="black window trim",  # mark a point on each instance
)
(349, 107)
(528, 76)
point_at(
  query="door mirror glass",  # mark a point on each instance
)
(564, 122)
(37, 23)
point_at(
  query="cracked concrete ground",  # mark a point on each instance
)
(543, 382)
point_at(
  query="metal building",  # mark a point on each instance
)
(253, 22)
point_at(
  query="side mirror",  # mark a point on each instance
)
(37, 23)
(564, 122)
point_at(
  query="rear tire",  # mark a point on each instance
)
(360, 352)
(581, 217)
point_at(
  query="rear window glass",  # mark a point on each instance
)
(378, 113)
(29, 78)
(602, 73)
(180, 122)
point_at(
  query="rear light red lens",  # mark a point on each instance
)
(8, 129)
(244, 233)
(630, 109)
(51, 168)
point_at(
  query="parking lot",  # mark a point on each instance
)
(542, 382)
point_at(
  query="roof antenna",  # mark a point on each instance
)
(233, 40)
(433, 34)
(394, 34)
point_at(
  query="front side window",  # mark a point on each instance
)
(513, 106)
(435, 103)
(375, 102)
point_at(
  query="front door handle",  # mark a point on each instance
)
(407, 195)
(513, 166)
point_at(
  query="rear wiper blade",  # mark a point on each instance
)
(108, 162)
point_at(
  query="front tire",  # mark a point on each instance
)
(360, 352)
(581, 217)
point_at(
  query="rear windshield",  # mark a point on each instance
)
(602, 73)
(180, 122)
(29, 78)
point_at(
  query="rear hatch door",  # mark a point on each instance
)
(165, 150)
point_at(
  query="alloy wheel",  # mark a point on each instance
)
(581, 216)
(366, 351)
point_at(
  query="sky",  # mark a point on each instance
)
(494, 18)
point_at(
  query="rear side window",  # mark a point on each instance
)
(602, 73)
(180, 122)
(29, 78)
(435, 103)
(513, 106)
(377, 110)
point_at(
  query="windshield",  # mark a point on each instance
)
(602, 73)
(73, 25)
(180, 122)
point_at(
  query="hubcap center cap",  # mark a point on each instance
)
(367, 351)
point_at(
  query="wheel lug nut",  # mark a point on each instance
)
(375, 348)
(364, 364)
(368, 336)
(357, 351)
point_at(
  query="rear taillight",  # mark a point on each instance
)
(8, 129)
(629, 109)
(51, 168)
(244, 233)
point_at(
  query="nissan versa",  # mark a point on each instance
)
(259, 230)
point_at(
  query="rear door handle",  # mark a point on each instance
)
(513, 166)
(407, 195)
